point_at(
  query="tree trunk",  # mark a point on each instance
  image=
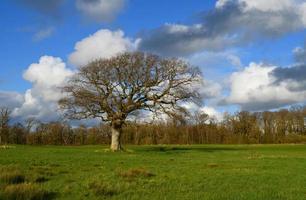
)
(116, 136)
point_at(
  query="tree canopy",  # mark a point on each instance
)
(112, 89)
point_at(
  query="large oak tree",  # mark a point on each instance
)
(113, 89)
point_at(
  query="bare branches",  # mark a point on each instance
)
(113, 88)
(4, 124)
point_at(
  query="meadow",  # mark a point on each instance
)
(268, 172)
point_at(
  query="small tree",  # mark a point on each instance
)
(112, 89)
(4, 124)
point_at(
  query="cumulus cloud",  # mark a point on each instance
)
(100, 10)
(102, 44)
(48, 73)
(230, 23)
(41, 100)
(257, 87)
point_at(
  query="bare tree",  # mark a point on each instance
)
(4, 124)
(200, 118)
(112, 89)
(30, 123)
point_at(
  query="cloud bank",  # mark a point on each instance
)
(231, 23)
(262, 87)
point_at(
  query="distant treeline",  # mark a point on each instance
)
(283, 126)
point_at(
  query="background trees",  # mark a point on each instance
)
(239, 128)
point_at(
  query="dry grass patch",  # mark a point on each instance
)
(28, 191)
(43, 170)
(136, 172)
(212, 165)
(11, 176)
(102, 189)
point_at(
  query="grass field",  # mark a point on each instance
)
(234, 172)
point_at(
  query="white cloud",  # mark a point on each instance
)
(41, 100)
(300, 54)
(271, 5)
(216, 67)
(43, 34)
(278, 5)
(212, 113)
(102, 44)
(209, 59)
(46, 75)
(221, 3)
(10, 99)
(263, 5)
(243, 83)
(234, 60)
(182, 40)
(255, 88)
(100, 10)
(303, 12)
(177, 28)
(49, 71)
(210, 89)
(294, 6)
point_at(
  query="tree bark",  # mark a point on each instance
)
(116, 138)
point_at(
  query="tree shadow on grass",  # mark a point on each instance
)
(184, 149)
(50, 196)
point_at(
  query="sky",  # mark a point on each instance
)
(252, 53)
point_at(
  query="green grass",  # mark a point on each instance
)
(229, 172)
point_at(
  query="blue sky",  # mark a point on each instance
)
(221, 37)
